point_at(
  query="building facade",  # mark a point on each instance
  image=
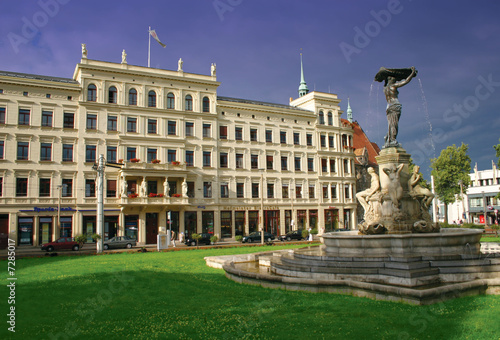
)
(191, 160)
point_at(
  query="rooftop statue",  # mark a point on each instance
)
(393, 78)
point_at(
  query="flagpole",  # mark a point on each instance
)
(149, 46)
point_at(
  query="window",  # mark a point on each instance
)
(152, 98)
(296, 138)
(47, 118)
(297, 163)
(270, 190)
(283, 137)
(223, 160)
(131, 153)
(44, 188)
(223, 132)
(172, 128)
(239, 161)
(69, 120)
(2, 115)
(132, 97)
(253, 135)
(330, 118)
(207, 162)
(1, 186)
(2, 148)
(111, 154)
(325, 190)
(23, 151)
(346, 191)
(323, 141)
(112, 95)
(254, 161)
(324, 165)
(67, 155)
(170, 101)
(190, 192)
(330, 141)
(312, 189)
(171, 156)
(67, 187)
(91, 122)
(207, 189)
(92, 93)
(189, 129)
(189, 103)
(346, 166)
(24, 117)
(21, 187)
(25, 93)
(332, 165)
(89, 188)
(269, 136)
(189, 158)
(255, 190)
(238, 133)
(152, 126)
(112, 123)
(333, 190)
(131, 124)
(224, 190)
(269, 162)
(284, 191)
(111, 188)
(45, 151)
(310, 164)
(321, 118)
(206, 131)
(240, 190)
(152, 155)
(206, 104)
(309, 139)
(298, 191)
(90, 153)
(284, 163)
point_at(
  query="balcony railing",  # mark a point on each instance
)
(154, 200)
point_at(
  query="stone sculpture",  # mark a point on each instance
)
(84, 50)
(213, 69)
(166, 188)
(395, 189)
(184, 188)
(179, 65)
(123, 187)
(365, 195)
(124, 57)
(144, 189)
(416, 191)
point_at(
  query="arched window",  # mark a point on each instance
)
(330, 118)
(112, 94)
(92, 93)
(206, 104)
(170, 101)
(152, 98)
(189, 103)
(132, 97)
(321, 118)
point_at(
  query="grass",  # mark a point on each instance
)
(174, 295)
(490, 239)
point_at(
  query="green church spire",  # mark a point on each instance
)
(303, 89)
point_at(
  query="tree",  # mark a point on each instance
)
(81, 239)
(196, 237)
(451, 167)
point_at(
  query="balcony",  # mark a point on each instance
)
(154, 201)
(154, 166)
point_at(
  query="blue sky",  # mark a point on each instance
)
(256, 44)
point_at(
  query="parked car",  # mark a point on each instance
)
(61, 243)
(256, 237)
(292, 235)
(205, 239)
(119, 242)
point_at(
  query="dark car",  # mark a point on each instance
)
(119, 242)
(62, 243)
(292, 235)
(256, 237)
(205, 239)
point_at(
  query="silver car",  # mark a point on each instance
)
(119, 242)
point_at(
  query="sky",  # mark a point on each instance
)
(256, 44)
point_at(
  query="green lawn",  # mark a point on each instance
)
(175, 295)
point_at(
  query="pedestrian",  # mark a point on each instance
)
(310, 238)
(173, 238)
(181, 238)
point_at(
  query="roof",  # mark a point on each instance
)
(38, 77)
(255, 102)
(360, 141)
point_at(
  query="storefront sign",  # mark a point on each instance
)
(37, 209)
(251, 208)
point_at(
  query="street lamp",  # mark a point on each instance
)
(462, 196)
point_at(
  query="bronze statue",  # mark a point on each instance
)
(393, 79)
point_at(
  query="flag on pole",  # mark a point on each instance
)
(155, 36)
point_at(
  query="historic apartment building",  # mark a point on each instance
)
(206, 163)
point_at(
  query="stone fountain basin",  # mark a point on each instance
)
(449, 241)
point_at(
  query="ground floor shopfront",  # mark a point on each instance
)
(33, 227)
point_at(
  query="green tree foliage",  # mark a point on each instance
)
(422, 181)
(451, 167)
(81, 239)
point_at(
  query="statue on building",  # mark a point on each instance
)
(393, 79)
(123, 187)
(144, 188)
(84, 50)
(166, 188)
(416, 191)
(179, 65)
(213, 70)
(365, 195)
(184, 189)
(124, 57)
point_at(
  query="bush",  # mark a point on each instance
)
(239, 238)
(314, 231)
(214, 239)
(81, 239)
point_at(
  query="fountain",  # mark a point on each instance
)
(397, 253)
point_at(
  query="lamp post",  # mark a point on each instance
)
(262, 206)
(485, 211)
(462, 196)
(292, 191)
